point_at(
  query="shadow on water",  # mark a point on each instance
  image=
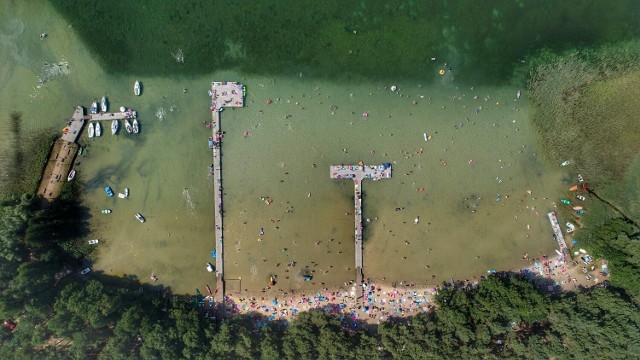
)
(481, 42)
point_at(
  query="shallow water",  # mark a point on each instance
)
(310, 124)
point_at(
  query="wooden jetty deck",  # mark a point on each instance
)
(223, 94)
(61, 158)
(557, 235)
(359, 173)
(129, 114)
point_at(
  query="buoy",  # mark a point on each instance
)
(442, 72)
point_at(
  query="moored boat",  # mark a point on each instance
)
(125, 194)
(140, 218)
(137, 88)
(91, 130)
(565, 201)
(71, 175)
(577, 208)
(570, 227)
(580, 197)
(573, 188)
(210, 267)
(106, 211)
(94, 107)
(114, 127)
(98, 129)
(93, 242)
(136, 126)
(565, 163)
(127, 126)
(104, 105)
(108, 191)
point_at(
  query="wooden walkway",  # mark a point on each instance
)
(223, 94)
(557, 235)
(359, 173)
(129, 114)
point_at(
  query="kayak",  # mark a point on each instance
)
(565, 201)
(577, 208)
(108, 191)
(573, 188)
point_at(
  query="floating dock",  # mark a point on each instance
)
(358, 173)
(223, 94)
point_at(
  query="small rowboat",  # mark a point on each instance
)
(565, 201)
(580, 197)
(109, 191)
(106, 211)
(573, 188)
(72, 174)
(94, 107)
(140, 218)
(209, 267)
(137, 88)
(98, 129)
(93, 242)
(577, 208)
(128, 127)
(565, 163)
(91, 130)
(114, 127)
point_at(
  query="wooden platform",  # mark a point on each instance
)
(57, 168)
(358, 173)
(223, 94)
(129, 114)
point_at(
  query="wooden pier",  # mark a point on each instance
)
(557, 235)
(223, 94)
(358, 173)
(129, 114)
(61, 158)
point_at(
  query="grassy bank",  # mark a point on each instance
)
(586, 113)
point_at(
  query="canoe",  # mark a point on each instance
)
(114, 127)
(98, 129)
(137, 88)
(104, 105)
(72, 174)
(577, 208)
(91, 130)
(573, 188)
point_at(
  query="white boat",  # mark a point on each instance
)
(91, 130)
(106, 211)
(125, 194)
(580, 197)
(114, 127)
(565, 163)
(140, 218)
(416, 220)
(136, 126)
(127, 126)
(85, 271)
(209, 267)
(570, 227)
(104, 105)
(94, 107)
(98, 129)
(425, 136)
(93, 242)
(123, 109)
(136, 88)
(518, 94)
(71, 175)
(580, 178)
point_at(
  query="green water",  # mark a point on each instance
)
(310, 124)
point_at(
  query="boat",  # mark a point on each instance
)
(261, 231)
(565, 201)
(127, 126)
(114, 127)
(425, 136)
(272, 280)
(570, 227)
(123, 109)
(106, 211)
(98, 129)
(125, 194)
(85, 271)
(72, 174)
(577, 208)
(565, 163)
(210, 267)
(91, 130)
(80, 150)
(244, 91)
(580, 197)
(140, 218)
(518, 94)
(136, 126)
(109, 191)
(137, 88)
(573, 188)
(104, 105)
(416, 220)
(580, 212)
(94, 107)
(93, 242)
(580, 178)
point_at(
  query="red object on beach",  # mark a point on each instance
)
(268, 101)
(584, 186)
(9, 324)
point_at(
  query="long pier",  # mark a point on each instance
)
(557, 234)
(223, 94)
(358, 173)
